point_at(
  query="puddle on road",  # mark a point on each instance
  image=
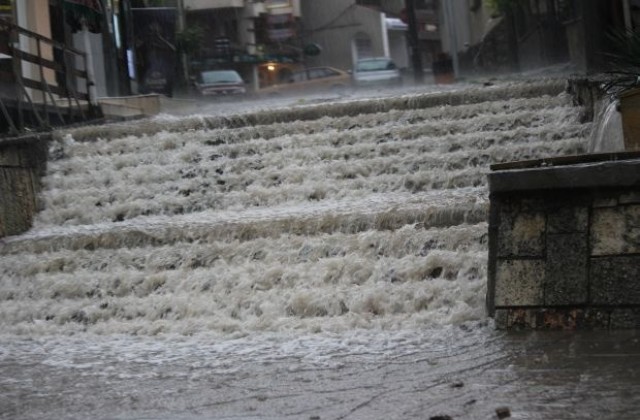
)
(464, 372)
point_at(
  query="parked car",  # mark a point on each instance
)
(375, 72)
(313, 79)
(220, 82)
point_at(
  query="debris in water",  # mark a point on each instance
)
(503, 412)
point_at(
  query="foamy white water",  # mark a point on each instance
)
(276, 223)
(343, 238)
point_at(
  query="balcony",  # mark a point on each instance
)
(212, 4)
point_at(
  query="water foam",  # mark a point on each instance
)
(333, 217)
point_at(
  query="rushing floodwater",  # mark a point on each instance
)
(326, 261)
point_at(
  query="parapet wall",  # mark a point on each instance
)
(22, 163)
(564, 243)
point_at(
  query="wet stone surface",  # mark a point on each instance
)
(568, 219)
(615, 230)
(564, 318)
(625, 318)
(520, 283)
(521, 233)
(535, 375)
(582, 252)
(614, 280)
(566, 281)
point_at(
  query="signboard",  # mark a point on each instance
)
(155, 52)
(280, 27)
(6, 10)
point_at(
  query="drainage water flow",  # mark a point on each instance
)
(607, 134)
(279, 264)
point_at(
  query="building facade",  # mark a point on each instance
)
(253, 37)
(350, 30)
(265, 39)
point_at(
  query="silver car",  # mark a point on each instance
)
(220, 82)
(376, 71)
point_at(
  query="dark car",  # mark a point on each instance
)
(219, 83)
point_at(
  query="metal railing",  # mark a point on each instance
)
(49, 95)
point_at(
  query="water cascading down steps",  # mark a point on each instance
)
(369, 214)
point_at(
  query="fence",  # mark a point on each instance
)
(43, 83)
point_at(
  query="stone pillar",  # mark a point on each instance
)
(564, 243)
(22, 163)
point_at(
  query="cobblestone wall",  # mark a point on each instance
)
(565, 257)
(22, 163)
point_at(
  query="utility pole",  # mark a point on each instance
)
(450, 19)
(112, 68)
(183, 56)
(626, 10)
(416, 59)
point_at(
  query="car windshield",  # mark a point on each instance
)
(375, 65)
(220, 76)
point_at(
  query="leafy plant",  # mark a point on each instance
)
(189, 39)
(624, 60)
(500, 6)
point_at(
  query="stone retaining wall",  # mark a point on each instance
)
(564, 244)
(22, 163)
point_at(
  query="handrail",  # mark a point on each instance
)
(64, 86)
(39, 37)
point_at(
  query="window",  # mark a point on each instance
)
(280, 26)
(220, 76)
(424, 5)
(363, 46)
(376, 65)
(299, 76)
(321, 73)
(369, 3)
(330, 73)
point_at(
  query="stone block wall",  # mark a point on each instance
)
(564, 245)
(22, 163)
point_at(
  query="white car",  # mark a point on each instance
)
(375, 72)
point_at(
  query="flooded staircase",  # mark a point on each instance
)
(330, 217)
